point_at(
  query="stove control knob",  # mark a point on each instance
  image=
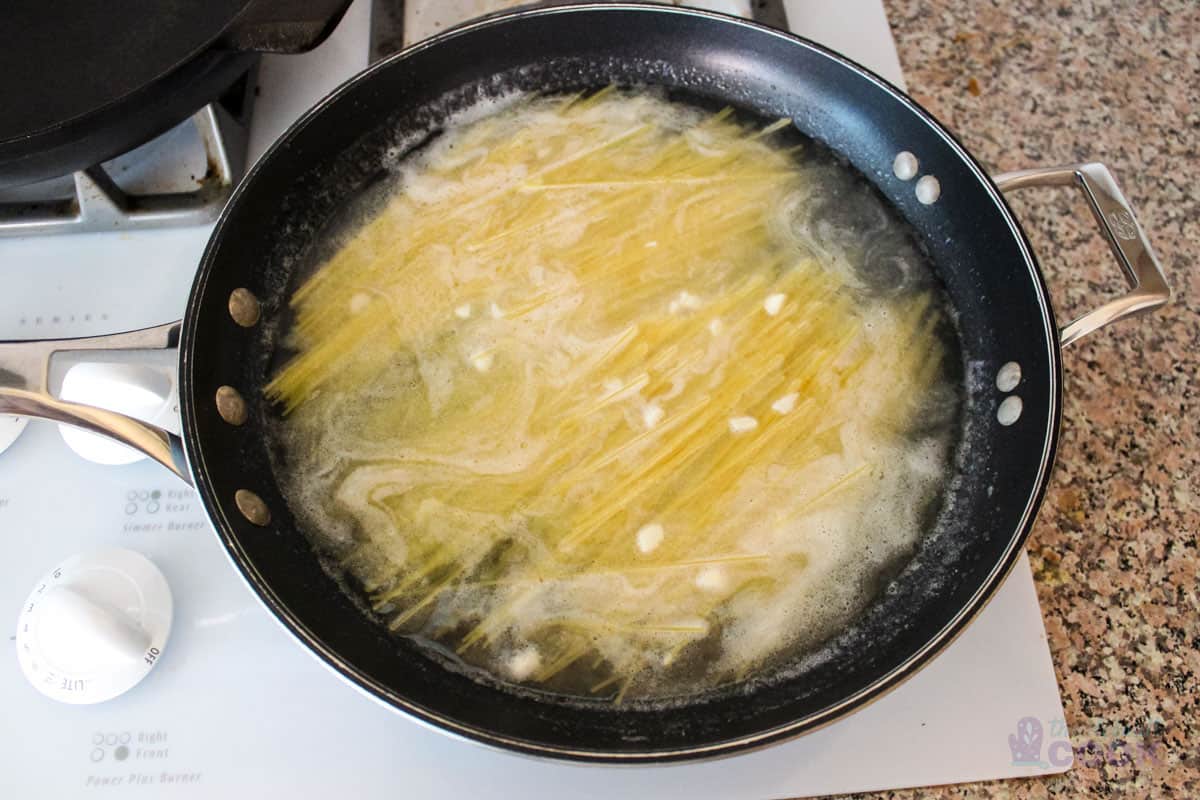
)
(94, 626)
(140, 391)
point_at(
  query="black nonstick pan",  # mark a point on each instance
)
(334, 154)
(82, 82)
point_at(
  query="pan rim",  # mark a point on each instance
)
(386, 695)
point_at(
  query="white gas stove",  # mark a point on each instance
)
(233, 707)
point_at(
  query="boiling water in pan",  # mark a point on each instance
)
(612, 397)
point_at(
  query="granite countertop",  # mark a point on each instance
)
(1114, 551)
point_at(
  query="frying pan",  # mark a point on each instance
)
(334, 153)
(84, 81)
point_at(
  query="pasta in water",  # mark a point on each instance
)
(598, 403)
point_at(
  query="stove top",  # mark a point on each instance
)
(234, 707)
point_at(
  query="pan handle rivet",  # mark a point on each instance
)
(252, 507)
(905, 166)
(1009, 410)
(1008, 376)
(244, 307)
(231, 406)
(928, 190)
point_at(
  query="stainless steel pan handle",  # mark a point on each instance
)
(24, 391)
(1148, 285)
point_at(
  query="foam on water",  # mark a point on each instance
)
(343, 478)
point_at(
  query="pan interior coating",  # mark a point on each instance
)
(608, 396)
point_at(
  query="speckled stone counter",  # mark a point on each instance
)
(1115, 549)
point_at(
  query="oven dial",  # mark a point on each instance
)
(94, 626)
(140, 391)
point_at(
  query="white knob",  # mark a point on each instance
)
(94, 626)
(142, 391)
